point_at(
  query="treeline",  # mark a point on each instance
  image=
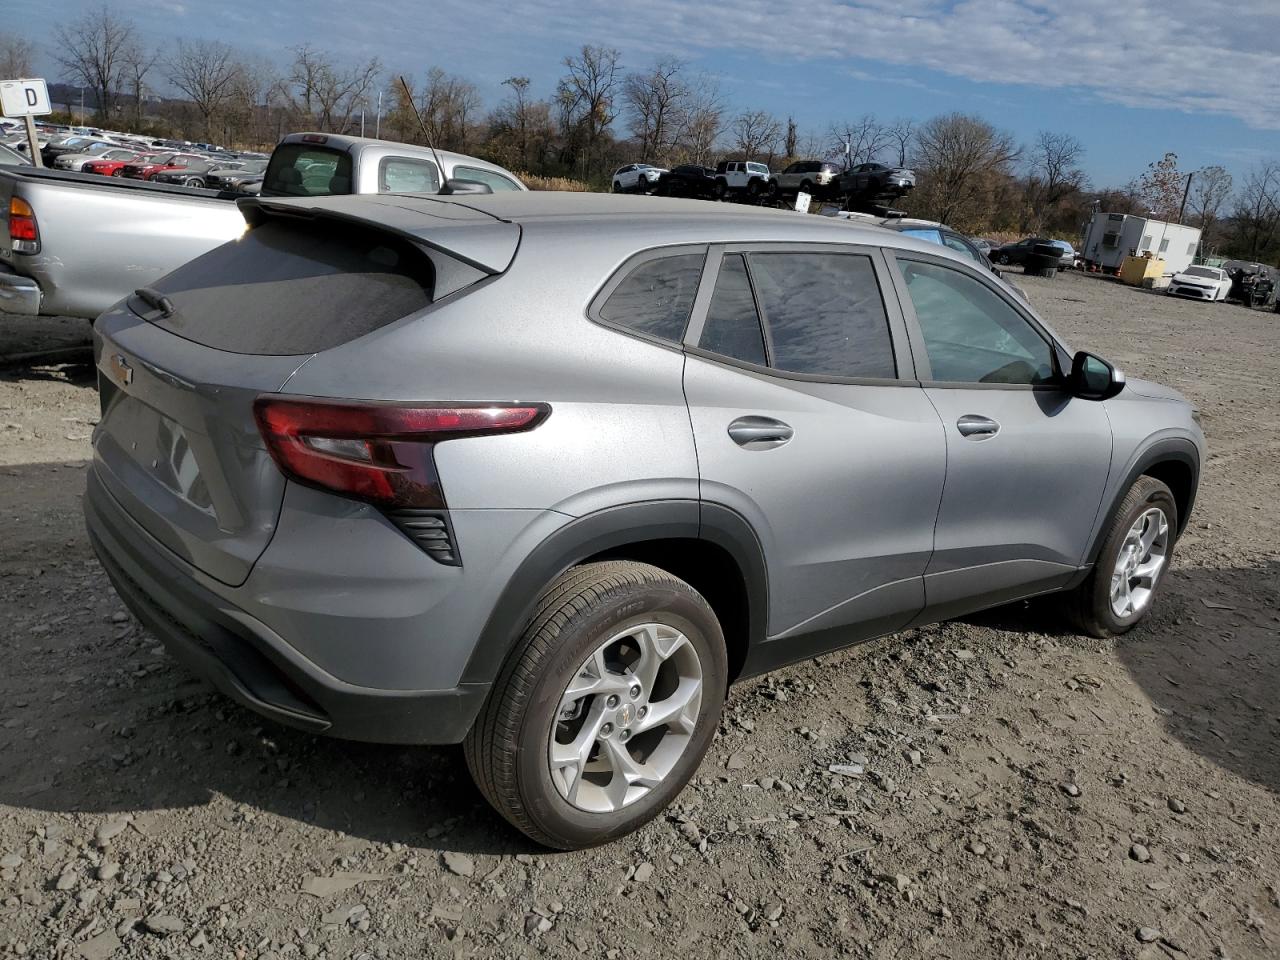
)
(599, 115)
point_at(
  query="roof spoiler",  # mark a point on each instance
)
(477, 239)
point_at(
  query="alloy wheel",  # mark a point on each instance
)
(1141, 560)
(625, 718)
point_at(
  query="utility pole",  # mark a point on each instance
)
(377, 124)
(1185, 193)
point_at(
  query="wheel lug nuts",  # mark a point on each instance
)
(641, 712)
(611, 702)
(624, 735)
(635, 691)
(606, 729)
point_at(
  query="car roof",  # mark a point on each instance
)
(621, 220)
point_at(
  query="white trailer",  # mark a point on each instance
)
(1110, 237)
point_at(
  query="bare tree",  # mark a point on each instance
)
(447, 106)
(1161, 186)
(859, 141)
(755, 134)
(656, 99)
(702, 122)
(16, 57)
(138, 62)
(586, 96)
(206, 71)
(901, 134)
(94, 49)
(517, 115)
(1257, 211)
(962, 158)
(326, 95)
(792, 141)
(1210, 188)
(1053, 175)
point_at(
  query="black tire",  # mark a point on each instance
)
(506, 749)
(1088, 606)
(1004, 260)
(753, 187)
(617, 187)
(721, 189)
(806, 187)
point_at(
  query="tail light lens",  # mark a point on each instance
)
(24, 234)
(378, 452)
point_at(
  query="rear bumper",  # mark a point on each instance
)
(19, 294)
(251, 663)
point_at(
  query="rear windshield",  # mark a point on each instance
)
(292, 287)
(306, 170)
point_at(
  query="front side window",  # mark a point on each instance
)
(970, 334)
(824, 314)
(495, 181)
(408, 175)
(656, 297)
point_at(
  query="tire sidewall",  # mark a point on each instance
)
(1157, 495)
(622, 608)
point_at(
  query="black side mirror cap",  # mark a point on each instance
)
(1093, 378)
(452, 187)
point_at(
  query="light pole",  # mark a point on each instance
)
(377, 124)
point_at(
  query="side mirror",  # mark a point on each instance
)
(1093, 378)
(452, 187)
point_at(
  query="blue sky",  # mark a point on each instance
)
(1130, 80)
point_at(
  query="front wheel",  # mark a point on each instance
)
(1119, 591)
(617, 187)
(605, 708)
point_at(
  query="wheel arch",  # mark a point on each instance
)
(709, 546)
(1175, 461)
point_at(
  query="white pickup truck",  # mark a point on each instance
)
(72, 244)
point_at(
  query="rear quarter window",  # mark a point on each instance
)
(655, 297)
(289, 287)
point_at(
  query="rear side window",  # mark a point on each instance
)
(305, 170)
(732, 328)
(656, 297)
(292, 287)
(824, 314)
(405, 175)
(495, 181)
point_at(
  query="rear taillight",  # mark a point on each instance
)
(379, 452)
(24, 235)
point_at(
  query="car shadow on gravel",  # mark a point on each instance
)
(71, 363)
(1209, 660)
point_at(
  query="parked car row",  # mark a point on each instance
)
(862, 185)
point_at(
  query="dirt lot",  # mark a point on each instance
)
(1029, 792)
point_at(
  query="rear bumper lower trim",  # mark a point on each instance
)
(19, 294)
(249, 662)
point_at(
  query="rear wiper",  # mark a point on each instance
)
(156, 299)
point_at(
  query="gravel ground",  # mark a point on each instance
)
(1026, 792)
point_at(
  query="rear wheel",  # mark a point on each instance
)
(1121, 588)
(193, 182)
(721, 188)
(606, 707)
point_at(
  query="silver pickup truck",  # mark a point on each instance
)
(72, 244)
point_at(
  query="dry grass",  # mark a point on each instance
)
(553, 183)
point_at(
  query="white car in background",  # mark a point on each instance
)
(636, 176)
(1200, 283)
(76, 161)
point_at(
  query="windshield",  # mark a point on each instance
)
(1207, 272)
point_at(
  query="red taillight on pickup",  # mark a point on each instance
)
(379, 452)
(24, 234)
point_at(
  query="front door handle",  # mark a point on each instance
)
(975, 427)
(759, 433)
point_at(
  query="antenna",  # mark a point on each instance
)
(409, 99)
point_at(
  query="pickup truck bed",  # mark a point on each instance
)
(100, 238)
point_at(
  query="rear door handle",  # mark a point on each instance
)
(976, 427)
(759, 433)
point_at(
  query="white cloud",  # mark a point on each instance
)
(1197, 56)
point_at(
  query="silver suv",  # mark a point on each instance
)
(545, 473)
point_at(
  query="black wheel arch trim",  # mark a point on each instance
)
(608, 529)
(1168, 449)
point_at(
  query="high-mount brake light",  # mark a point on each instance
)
(379, 452)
